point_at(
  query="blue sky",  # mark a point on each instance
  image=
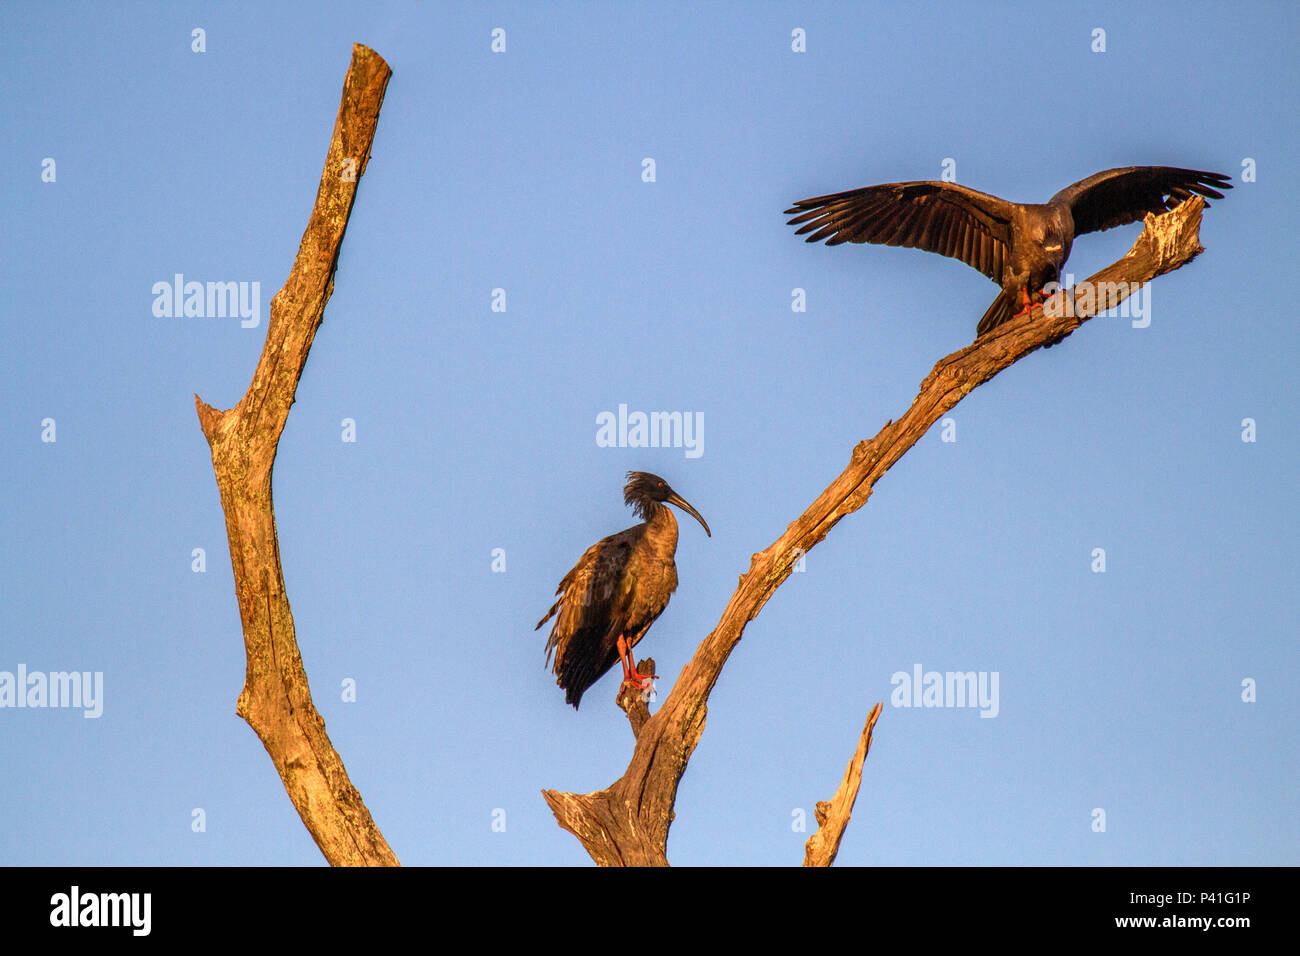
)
(476, 429)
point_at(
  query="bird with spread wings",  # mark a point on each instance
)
(1020, 246)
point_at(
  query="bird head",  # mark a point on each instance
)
(646, 493)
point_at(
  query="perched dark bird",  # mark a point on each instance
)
(1022, 247)
(616, 590)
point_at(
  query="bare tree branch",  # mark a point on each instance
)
(634, 702)
(627, 823)
(276, 700)
(833, 815)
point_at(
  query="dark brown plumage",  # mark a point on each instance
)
(616, 590)
(1022, 247)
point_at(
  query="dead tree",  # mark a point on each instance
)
(276, 699)
(626, 824)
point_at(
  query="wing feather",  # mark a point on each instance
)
(590, 614)
(938, 217)
(1116, 197)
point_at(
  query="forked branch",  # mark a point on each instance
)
(276, 700)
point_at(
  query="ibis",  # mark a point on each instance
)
(616, 591)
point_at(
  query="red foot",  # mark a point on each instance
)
(1027, 303)
(631, 677)
(637, 680)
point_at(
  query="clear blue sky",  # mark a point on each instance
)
(476, 429)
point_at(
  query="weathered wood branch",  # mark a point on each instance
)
(634, 703)
(276, 700)
(627, 823)
(833, 815)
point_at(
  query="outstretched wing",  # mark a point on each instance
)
(590, 614)
(1120, 196)
(938, 217)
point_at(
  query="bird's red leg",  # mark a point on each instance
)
(1026, 304)
(623, 660)
(630, 675)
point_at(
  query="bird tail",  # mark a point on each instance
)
(575, 672)
(1000, 311)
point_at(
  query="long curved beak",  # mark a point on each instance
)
(675, 499)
